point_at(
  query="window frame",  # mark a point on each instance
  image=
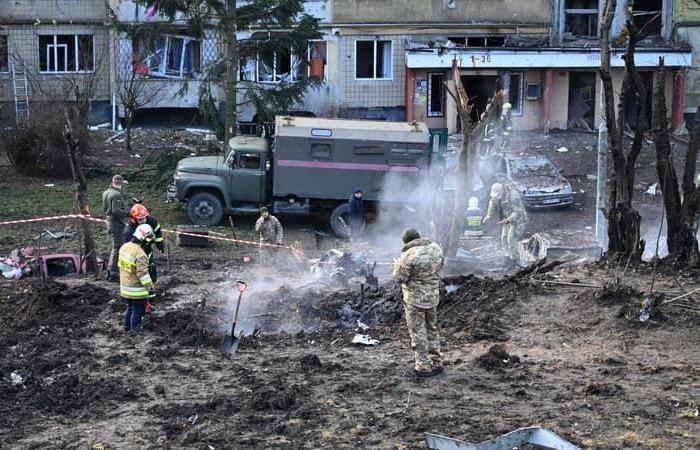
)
(325, 59)
(517, 112)
(240, 156)
(328, 144)
(374, 60)
(56, 45)
(429, 111)
(295, 77)
(162, 70)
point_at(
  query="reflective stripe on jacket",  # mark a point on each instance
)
(135, 282)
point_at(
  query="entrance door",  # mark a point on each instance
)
(582, 100)
(480, 89)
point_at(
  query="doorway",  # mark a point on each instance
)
(582, 100)
(480, 89)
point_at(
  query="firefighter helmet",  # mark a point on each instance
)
(138, 211)
(144, 233)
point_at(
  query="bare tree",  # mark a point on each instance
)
(681, 202)
(624, 237)
(468, 160)
(134, 90)
(71, 95)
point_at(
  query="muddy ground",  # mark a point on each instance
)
(517, 353)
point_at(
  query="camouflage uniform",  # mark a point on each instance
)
(117, 215)
(509, 208)
(270, 232)
(417, 269)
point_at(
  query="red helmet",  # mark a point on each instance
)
(138, 211)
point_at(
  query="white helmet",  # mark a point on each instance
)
(144, 233)
(473, 203)
(497, 190)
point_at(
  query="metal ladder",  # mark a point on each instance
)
(21, 91)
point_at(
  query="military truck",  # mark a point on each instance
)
(311, 166)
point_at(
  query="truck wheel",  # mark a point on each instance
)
(205, 208)
(340, 221)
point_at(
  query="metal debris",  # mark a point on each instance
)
(530, 435)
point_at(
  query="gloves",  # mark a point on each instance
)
(148, 307)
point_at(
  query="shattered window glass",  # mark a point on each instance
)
(66, 53)
(171, 57)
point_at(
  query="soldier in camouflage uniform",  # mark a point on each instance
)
(418, 271)
(270, 231)
(117, 216)
(505, 205)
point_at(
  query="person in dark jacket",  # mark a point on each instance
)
(357, 213)
(140, 215)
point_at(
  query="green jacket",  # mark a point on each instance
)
(509, 208)
(113, 206)
(418, 271)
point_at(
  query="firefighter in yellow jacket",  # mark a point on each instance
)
(135, 282)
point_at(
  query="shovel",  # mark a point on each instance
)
(229, 343)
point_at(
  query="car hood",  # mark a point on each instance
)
(542, 183)
(201, 164)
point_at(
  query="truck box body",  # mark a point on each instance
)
(327, 158)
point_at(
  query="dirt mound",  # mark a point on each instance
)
(497, 358)
(51, 303)
(190, 326)
(275, 397)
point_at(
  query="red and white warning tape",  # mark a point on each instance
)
(181, 233)
(100, 219)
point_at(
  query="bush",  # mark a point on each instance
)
(36, 150)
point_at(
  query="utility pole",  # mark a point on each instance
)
(230, 41)
(601, 223)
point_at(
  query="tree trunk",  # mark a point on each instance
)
(624, 236)
(229, 30)
(75, 146)
(468, 162)
(127, 125)
(680, 230)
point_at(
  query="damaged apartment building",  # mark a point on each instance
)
(379, 59)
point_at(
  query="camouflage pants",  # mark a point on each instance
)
(511, 235)
(425, 336)
(116, 232)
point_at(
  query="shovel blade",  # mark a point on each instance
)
(229, 344)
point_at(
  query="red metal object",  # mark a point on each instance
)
(678, 98)
(64, 264)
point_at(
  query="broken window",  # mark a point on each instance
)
(279, 66)
(581, 18)
(4, 54)
(373, 60)
(647, 17)
(317, 60)
(479, 41)
(515, 93)
(436, 94)
(169, 57)
(60, 53)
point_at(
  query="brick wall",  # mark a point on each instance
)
(23, 41)
(369, 92)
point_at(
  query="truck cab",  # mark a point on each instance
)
(212, 185)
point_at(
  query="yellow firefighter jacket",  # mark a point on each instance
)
(135, 282)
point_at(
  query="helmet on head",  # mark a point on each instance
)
(497, 190)
(409, 235)
(138, 211)
(473, 203)
(144, 233)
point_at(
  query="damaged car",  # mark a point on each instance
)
(537, 180)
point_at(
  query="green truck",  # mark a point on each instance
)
(311, 166)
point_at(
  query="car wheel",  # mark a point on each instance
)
(340, 221)
(205, 208)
